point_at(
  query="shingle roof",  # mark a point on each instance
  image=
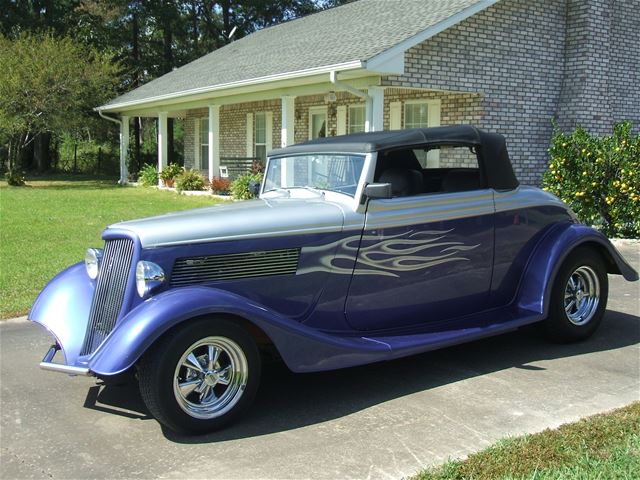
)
(353, 32)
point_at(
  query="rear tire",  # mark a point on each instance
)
(578, 297)
(201, 377)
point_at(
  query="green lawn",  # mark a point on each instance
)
(604, 446)
(47, 226)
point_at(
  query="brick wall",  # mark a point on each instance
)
(512, 53)
(602, 70)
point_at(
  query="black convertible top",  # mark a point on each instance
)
(492, 148)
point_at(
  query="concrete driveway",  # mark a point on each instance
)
(378, 421)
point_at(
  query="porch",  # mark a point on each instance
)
(225, 138)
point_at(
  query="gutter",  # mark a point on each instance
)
(353, 65)
(123, 166)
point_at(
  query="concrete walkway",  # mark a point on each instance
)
(380, 421)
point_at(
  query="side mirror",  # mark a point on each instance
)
(378, 190)
(254, 188)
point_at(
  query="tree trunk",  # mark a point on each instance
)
(136, 142)
(41, 152)
(167, 36)
(135, 52)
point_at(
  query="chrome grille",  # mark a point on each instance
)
(108, 297)
(187, 271)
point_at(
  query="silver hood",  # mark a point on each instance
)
(232, 221)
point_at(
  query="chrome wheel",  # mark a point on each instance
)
(582, 295)
(210, 377)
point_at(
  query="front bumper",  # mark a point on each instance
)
(48, 364)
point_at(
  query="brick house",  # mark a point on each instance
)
(504, 65)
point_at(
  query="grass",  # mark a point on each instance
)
(47, 226)
(599, 447)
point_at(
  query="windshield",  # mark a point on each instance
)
(334, 172)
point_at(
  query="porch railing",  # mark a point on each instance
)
(236, 166)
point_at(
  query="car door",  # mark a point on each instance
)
(425, 260)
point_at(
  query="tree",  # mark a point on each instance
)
(48, 85)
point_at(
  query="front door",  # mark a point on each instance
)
(426, 258)
(423, 261)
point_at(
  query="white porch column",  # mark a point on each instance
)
(162, 142)
(374, 110)
(124, 146)
(214, 141)
(288, 120)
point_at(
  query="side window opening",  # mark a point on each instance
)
(411, 171)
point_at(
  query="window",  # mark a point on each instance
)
(317, 122)
(356, 118)
(423, 114)
(261, 136)
(204, 144)
(416, 115)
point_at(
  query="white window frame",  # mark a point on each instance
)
(364, 118)
(255, 133)
(433, 120)
(315, 111)
(433, 111)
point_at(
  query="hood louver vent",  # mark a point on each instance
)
(188, 271)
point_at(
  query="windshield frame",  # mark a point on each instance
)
(359, 180)
(366, 176)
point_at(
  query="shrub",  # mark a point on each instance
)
(15, 178)
(148, 176)
(599, 177)
(220, 185)
(169, 174)
(241, 186)
(189, 180)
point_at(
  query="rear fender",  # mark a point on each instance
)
(302, 348)
(550, 253)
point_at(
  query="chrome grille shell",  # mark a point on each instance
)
(109, 296)
(230, 266)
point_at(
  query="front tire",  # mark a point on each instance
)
(578, 297)
(201, 377)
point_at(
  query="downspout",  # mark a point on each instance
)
(333, 77)
(123, 168)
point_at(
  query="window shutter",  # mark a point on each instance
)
(341, 120)
(197, 145)
(249, 134)
(268, 124)
(434, 113)
(395, 115)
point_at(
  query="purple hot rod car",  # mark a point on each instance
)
(360, 248)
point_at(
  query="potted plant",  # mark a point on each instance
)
(169, 173)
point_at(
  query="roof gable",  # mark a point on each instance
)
(344, 37)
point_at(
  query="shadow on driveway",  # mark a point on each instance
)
(288, 400)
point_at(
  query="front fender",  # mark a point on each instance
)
(63, 309)
(550, 253)
(302, 348)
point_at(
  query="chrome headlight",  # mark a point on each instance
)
(92, 261)
(149, 276)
